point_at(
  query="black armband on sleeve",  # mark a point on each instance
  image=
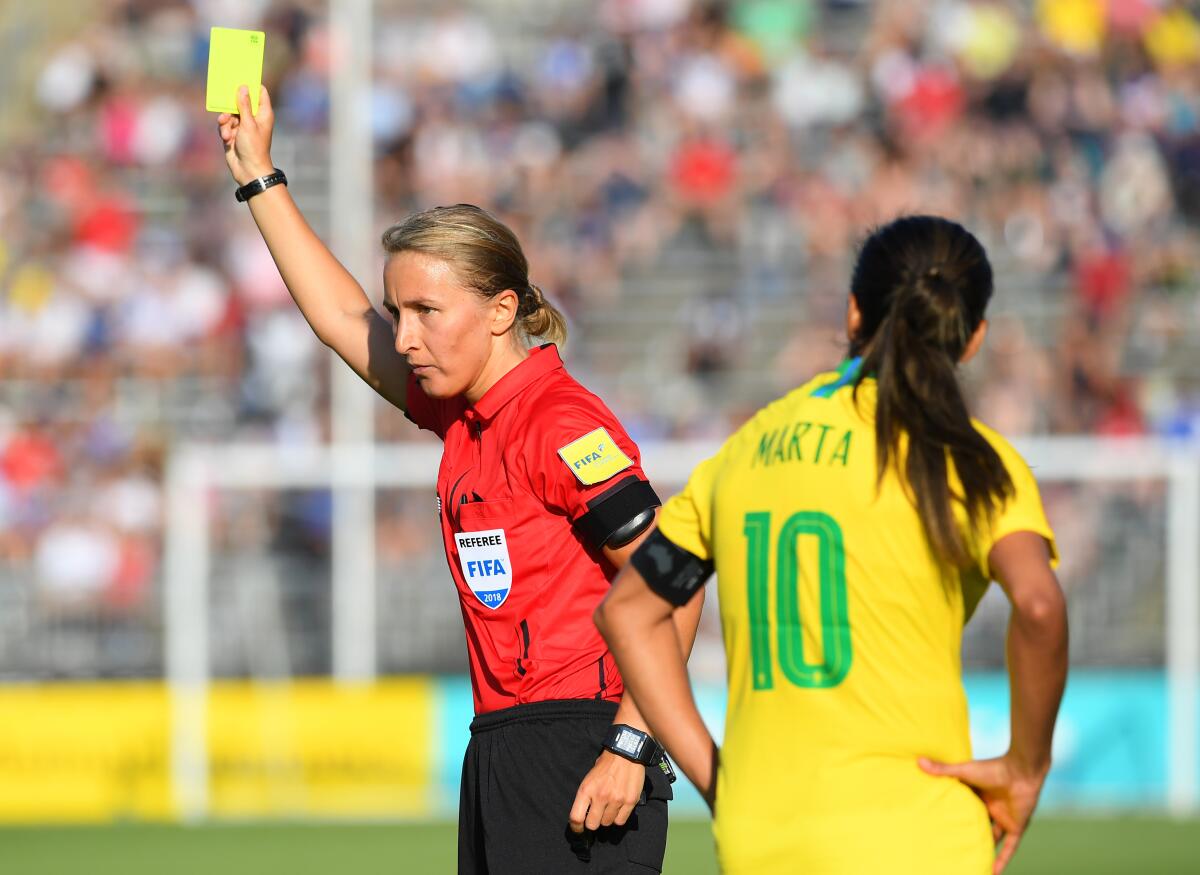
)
(631, 529)
(669, 570)
(616, 512)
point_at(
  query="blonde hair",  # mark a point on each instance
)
(487, 258)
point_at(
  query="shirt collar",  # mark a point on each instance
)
(542, 360)
(847, 373)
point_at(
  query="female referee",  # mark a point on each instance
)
(854, 525)
(541, 498)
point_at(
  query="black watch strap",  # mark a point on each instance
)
(633, 744)
(258, 186)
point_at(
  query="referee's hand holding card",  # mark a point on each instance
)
(234, 89)
(247, 136)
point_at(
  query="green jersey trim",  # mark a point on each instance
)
(848, 372)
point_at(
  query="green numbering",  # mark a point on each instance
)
(836, 650)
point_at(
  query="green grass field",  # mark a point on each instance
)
(1128, 846)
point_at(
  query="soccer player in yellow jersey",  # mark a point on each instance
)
(854, 525)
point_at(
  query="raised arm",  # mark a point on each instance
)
(1037, 667)
(332, 301)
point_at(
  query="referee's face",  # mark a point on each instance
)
(445, 332)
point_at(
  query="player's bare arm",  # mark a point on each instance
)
(611, 790)
(641, 629)
(332, 301)
(1037, 661)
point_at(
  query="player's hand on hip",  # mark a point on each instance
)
(247, 137)
(608, 793)
(1008, 790)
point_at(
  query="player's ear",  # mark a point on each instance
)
(504, 311)
(853, 317)
(976, 341)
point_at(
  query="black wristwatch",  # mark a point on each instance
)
(258, 186)
(633, 744)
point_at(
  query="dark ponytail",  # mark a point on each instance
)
(922, 285)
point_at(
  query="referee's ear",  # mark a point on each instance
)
(504, 311)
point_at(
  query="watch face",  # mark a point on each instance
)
(630, 742)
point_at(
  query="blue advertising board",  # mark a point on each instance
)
(1109, 746)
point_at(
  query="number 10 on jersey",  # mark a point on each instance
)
(836, 650)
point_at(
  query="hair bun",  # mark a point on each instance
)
(531, 301)
(539, 318)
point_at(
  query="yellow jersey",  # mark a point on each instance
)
(843, 637)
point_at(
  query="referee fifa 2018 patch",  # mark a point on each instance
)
(594, 457)
(486, 565)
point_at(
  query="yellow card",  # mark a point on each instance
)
(594, 457)
(235, 58)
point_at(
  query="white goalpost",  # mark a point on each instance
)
(195, 472)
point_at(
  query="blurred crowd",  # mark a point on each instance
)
(138, 306)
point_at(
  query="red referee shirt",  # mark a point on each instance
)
(533, 480)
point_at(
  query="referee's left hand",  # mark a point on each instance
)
(608, 794)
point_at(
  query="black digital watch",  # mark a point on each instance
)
(633, 744)
(258, 186)
(638, 746)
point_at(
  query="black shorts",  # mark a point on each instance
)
(520, 775)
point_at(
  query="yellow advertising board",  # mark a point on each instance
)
(305, 748)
